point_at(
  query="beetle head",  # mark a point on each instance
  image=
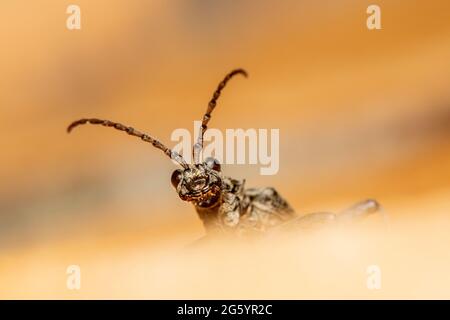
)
(199, 183)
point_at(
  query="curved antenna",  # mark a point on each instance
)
(133, 132)
(197, 148)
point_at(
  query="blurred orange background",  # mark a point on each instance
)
(362, 113)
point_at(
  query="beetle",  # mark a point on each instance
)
(224, 204)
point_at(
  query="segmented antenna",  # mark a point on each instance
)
(197, 148)
(133, 132)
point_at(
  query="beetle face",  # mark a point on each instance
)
(199, 184)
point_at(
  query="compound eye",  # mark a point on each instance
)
(176, 178)
(213, 163)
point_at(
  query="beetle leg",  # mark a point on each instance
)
(360, 210)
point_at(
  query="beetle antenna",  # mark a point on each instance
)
(207, 116)
(133, 132)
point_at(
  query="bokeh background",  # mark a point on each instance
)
(361, 114)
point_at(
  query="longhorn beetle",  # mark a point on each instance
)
(223, 203)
